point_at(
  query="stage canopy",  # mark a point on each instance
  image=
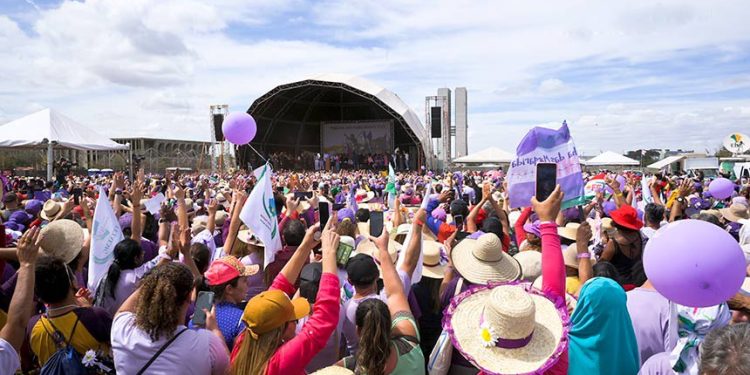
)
(612, 159)
(488, 155)
(289, 117)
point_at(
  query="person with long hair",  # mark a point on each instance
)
(268, 345)
(149, 333)
(389, 340)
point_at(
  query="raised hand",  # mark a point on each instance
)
(548, 210)
(28, 247)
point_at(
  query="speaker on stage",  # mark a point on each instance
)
(436, 115)
(218, 121)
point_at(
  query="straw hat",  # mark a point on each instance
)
(570, 256)
(333, 370)
(50, 210)
(432, 264)
(368, 247)
(482, 260)
(735, 212)
(508, 329)
(531, 264)
(569, 231)
(570, 301)
(62, 239)
(363, 228)
(363, 196)
(247, 236)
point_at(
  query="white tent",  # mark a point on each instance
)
(49, 128)
(488, 155)
(611, 158)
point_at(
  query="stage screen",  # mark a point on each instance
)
(367, 137)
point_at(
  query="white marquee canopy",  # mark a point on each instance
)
(611, 158)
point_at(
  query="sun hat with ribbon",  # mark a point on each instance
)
(62, 239)
(50, 210)
(627, 217)
(483, 259)
(508, 328)
(735, 213)
(434, 259)
(272, 309)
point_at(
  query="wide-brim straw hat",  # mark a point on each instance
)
(368, 247)
(569, 231)
(62, 239)
(570, 300)
(483, 260)
(364, 196)
(433, 265)
(333, 370)
(735, 213)
(531, 264)
(247, 236)
(570, 256)
(220, 218)
(50, 210)
(531, 329)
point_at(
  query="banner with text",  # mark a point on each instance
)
(543, 145)
(362, 138)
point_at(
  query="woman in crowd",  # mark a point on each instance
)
(149, 333)
(268, 345)
(625, 246)
(388, 333)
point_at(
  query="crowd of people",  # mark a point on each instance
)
(457, 282)
(333, 162)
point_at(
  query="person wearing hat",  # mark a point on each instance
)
(10, 204)
(383, 327)
(624, 249)
(268, 344)
(427, 293)
(527, 234)
(227, 279)
(440, 228)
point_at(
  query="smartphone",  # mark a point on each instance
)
(77, 193)
(303, 195)
(343, 252)
(338, 206)
(376, 223)
(204, 301)
(459, 220)
(323, 212)
(546, 180)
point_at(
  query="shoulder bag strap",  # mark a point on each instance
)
(150, 361)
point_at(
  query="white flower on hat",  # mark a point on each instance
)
(488, 335)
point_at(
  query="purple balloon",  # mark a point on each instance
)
(239, 128)
(721, 188)
(694, 263)
(622, 181)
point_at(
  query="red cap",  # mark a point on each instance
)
(227, 268)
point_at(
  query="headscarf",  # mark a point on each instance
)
(602, 340)
(694, 324)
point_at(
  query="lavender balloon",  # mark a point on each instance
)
(694, 263)
(622, 181)
(721, 188)
(239, 128)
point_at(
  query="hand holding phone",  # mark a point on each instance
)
(376, 223)
(204, 301)
(546, 180)
(324, 213)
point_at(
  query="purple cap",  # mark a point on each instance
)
(439, 214)
(34, 207)
(533, 228)
(12, 225)
(20, 217)
(707, 194)
(125, 220)
(346, 213)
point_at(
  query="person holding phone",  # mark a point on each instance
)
(268, 345)
(227, 279)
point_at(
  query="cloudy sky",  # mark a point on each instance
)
(625, 74)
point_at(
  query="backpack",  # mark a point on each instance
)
(66, 360)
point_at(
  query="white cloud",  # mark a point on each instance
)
(123, 65)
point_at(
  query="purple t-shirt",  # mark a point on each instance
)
(655, 331)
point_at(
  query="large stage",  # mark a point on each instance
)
(313, 115)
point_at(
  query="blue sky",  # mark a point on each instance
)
(625, 75)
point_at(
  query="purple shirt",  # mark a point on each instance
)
(652, 322)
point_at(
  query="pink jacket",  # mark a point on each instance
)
(553, 277)
(295, 354)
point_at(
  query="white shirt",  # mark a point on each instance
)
(196, 352)
(9, 361)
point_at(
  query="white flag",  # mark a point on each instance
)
(417, 275)
(259, 214)
(105, 234)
